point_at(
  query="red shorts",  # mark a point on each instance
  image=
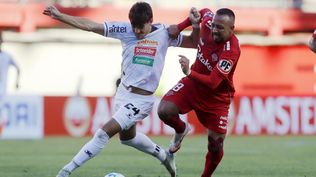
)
(211, 112)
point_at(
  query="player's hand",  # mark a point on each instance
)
(52, 11)
(185, 64)
(173, 31)
(194, 16)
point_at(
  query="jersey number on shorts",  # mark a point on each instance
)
(177, 87)
(132, 107)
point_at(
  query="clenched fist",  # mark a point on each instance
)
(194, 16)
(52, 11)
(185, 64)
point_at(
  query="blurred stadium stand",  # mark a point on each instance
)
(273, 32)
(269, 17)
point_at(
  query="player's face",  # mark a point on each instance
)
(140, 33)
(221, 28)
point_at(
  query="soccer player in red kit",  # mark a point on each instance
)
(208, 87)
(312, 42)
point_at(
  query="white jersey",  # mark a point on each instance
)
(5, 62)
(143, 59)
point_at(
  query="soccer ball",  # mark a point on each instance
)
(113, 174)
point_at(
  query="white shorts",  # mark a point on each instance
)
(129, 108)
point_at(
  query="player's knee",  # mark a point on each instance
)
(127, 142)
(166, 110)
(215, 146)
(100, 138)
(163, 112)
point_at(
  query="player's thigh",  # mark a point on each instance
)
(215, 121)
(132, 110)
(178, 99)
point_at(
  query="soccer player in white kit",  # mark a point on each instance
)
(144, 50)
(5, 62)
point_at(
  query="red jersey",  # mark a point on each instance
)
(215, 64)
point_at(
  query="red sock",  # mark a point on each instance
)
(213, 156)
(176, 123)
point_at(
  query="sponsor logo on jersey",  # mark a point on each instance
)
(147, 51)
(204, 61)
(147, 42)
(225, 66)
(117, 29)
(143, 60)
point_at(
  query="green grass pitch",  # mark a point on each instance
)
(255, 156)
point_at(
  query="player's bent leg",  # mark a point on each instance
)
(214, 154)
(143, 143)
(177, 139)
(170, 163)
(91, 148)
(169, 113)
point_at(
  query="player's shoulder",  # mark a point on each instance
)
(232, 45)
(120, 27)
(161, 29)
(161, 26)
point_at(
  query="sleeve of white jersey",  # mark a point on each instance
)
(176, 42)
(116, 30)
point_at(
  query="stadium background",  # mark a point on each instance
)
(68, 76)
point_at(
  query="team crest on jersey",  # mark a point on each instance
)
(214, 57)
(225, 66)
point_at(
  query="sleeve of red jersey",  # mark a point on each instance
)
(219, 73)
(186, 23)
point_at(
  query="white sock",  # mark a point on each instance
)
(145, 144)
(89, 150)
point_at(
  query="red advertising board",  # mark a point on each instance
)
(249, 115)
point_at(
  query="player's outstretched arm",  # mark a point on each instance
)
(192, 40)
(77, 22)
